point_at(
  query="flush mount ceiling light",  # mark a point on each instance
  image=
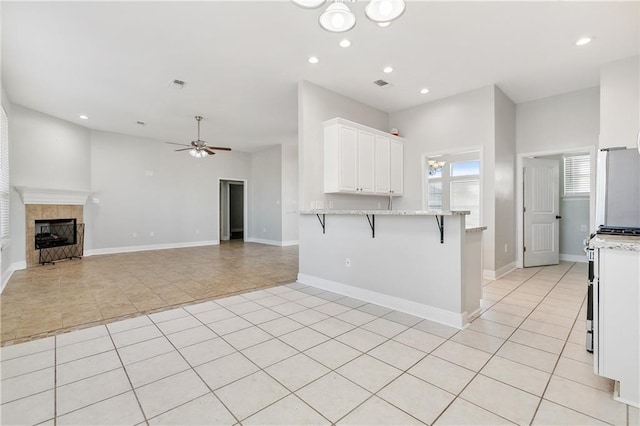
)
(338, 18)
(314, 60)
(84, 117)
(345, 43)
(387, 70)
(424, 91)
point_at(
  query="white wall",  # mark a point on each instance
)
(464, 121)
(47, 152)
(316, 105)
(505, 188)
(563, 122)
(620, 103)
(144, 186)
(266, 193)
(289, 193)
(559, 124)
(44, 152)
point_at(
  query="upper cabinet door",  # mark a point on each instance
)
(383, 166)
(348, 159)
(361, 160)
(397, 169)
(366, 164)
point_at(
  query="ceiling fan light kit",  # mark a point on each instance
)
(338, 18)
(199, 148)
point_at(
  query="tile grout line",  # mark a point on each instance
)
(135, 394)
(503, 343)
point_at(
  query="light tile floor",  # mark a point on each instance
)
(294, 354)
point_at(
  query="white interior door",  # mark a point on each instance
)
(541, 212)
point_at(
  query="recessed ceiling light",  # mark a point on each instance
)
(584, 40)
(314, 60)
(345, 43)
(384, 24)
(84, 117)
(387, 70)
(424, 91)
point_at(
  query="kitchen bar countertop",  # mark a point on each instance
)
(615, 242)
(476, 229)
(388, 212)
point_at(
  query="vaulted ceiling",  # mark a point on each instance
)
(241, 61)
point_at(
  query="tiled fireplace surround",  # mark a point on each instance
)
(35, 212)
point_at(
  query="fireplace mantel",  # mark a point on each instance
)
(53, 196)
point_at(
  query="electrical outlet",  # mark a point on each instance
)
(134, 234)
(347, 262)
(583, 228)
(152, 234)
(506, 248)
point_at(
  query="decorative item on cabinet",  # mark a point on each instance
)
(361, 160)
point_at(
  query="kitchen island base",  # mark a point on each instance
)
(403, 265)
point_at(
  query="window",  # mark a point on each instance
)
(453, 183)
(4, 176)
(577, 175)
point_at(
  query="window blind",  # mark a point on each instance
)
(577, 175)
(4, 175)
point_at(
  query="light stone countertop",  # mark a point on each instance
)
(388, 212)
(476, 229)
(615, 242)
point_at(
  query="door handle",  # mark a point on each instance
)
(558, 217)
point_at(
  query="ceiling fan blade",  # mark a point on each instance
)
(173, 143)
(183, 149)
(208, 151)
(220, 148)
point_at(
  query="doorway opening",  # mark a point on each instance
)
(556, 199)
(233, 209)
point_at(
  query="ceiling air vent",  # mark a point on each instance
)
(380, 83)
(177, 84)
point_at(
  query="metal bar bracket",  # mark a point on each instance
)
(372, 224)
(440, 221)
(322, 222)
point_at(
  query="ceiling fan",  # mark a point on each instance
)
(199, 148)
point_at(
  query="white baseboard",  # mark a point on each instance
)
(15, 266)
(488, 274)
(272, 242)
(407, 306)
(130, 249)
(574, 258)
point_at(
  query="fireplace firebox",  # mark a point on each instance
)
(55, 233)
(57, 239)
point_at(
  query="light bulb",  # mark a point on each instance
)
(384, 10)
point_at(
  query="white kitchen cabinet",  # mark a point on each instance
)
(366, 162)
(383, 165)
(396, 168)
(361, 160)
(617, 316)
